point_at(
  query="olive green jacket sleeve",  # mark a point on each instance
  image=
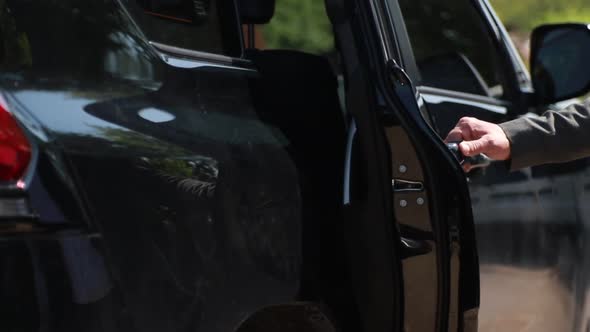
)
(556, 136)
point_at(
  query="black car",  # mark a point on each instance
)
(162, 173)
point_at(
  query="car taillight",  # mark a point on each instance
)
(15, 149)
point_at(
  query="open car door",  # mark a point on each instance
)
(409, 221)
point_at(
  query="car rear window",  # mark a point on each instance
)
(94, 37)
(66, 36)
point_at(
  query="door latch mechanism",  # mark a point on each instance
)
(405, 186)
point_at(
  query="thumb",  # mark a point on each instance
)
(472, 148)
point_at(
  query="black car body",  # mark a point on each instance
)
(160, 176)
(177, 182)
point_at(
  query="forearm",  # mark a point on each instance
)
(556, 136)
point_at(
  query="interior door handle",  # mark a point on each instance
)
(477, 161)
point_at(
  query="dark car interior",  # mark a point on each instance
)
(298, 93)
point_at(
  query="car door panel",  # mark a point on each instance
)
(186, 206)
(435, 223)
(451, 231)
(223, 212)
(421, 277)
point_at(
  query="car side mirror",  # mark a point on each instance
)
(560, 68)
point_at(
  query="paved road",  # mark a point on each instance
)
(521, 300)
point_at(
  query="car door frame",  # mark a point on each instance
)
(450, 206)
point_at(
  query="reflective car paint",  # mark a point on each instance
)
(170, 205)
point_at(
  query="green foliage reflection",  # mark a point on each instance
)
(300, 24)
(524, 15)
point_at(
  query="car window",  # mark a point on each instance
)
(202, 25)
(74, 39)
(453, 47)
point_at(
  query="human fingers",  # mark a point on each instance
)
(464, 130)
(455, 135)
(472, 148)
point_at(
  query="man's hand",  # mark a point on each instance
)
(480, 137)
